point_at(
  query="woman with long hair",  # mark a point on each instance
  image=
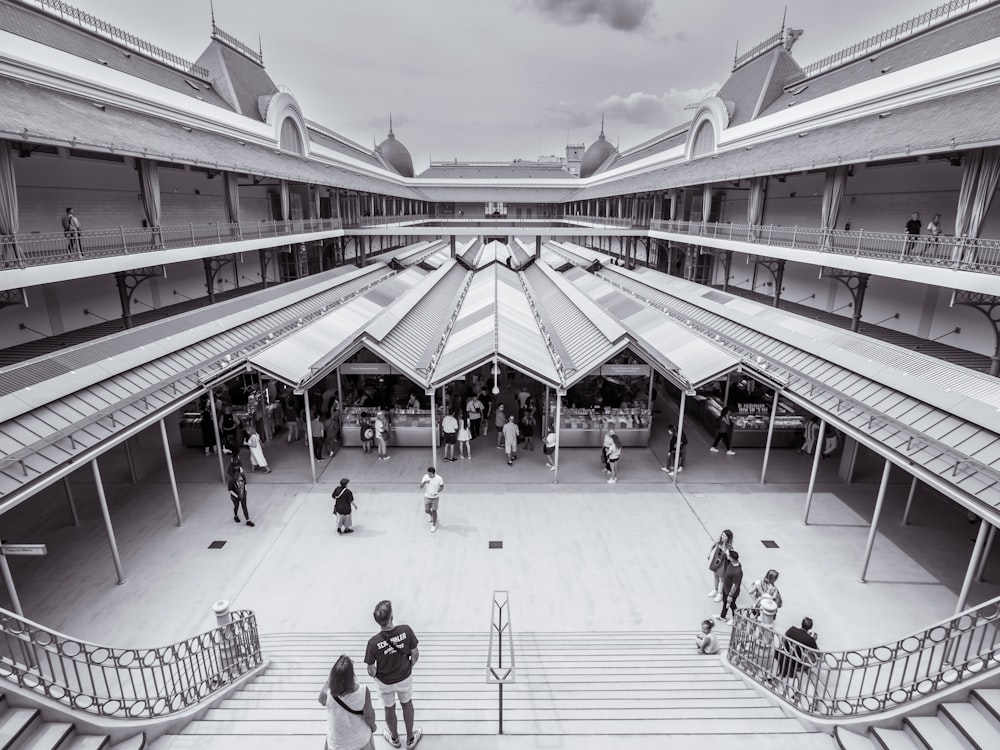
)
(350, 717)
(718, 561)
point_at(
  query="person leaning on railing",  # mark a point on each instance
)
(790, 655)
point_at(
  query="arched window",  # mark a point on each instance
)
(704, 139)
(290, 138)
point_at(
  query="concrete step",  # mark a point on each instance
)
(25, 729)
(15, 723)
(974, 725)
(44, 735)
(935, 732)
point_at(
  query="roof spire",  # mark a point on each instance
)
(601, 136)
(211, 4)
(784, 15)
(391, 134)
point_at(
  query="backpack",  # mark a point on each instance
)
(367, 432)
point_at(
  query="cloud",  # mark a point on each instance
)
(621, 15)
(653, 110)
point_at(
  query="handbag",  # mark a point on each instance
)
(717, 559)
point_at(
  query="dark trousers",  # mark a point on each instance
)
(474, 427)
(727, 606)
(726, 439)
(317, 447)
(240, 502)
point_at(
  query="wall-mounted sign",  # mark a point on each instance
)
(365, 368)
(626, 370)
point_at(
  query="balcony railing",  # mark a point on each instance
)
(601, 221)
(867, 681)
(383, 221)
(960, 253)
(39, 249)
(126, 683)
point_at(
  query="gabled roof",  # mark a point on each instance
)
(753, 82)
(246, 80)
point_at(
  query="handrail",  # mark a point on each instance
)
(45, 248)
(768, 44)
(65, 10)
(496, 671)
(867, 681)
(959, 253)
(126, 683)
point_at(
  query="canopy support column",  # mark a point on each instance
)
(131, 461)
(555, 455)
(977, 554)
(218, 437)
(770, 434)
(981, 568)
(875, 516)
(815, 467)
(70, 501)
(909, 502)
(309, 437)
(107, 520)
(434, 429)
(170, 472)
(680, 435)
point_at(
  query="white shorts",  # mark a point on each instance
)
(403, 689)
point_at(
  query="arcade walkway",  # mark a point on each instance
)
(578, 556)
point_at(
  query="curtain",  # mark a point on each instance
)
(285, 202)
(979, 182)
(755, 205)
(706, 203)
(8, 204)
(149, 190)
(834, 186)
(674, 200)
(232, 198)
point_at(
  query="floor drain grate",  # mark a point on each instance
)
(496, 545)
(217, 545)
(769, 543)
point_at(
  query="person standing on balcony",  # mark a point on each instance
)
(350, 716)
(391, 655)
(913, 230)
(71, 227)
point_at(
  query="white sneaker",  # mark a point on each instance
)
(434, 527)
(714, 449)
(730, 453)
(680, 469)
(718, 597)
(712, 593)
(666, 469)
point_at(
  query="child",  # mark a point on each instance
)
(549, 448)
(367, 433)
(706, 641)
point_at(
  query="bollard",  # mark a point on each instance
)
(228, 652)
(221, 610)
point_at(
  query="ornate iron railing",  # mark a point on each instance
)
(39, 249)
(126, 683)
(885, 38)
(867, 681)
(600, 221)
(237, 45)
(962, 253)
(65, 10)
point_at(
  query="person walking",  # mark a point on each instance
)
(291, 418)
(382, 435)
(318, 432)
(331, 431)
(449, 431)
(528, 416)
(724, 432)
(718, 560)
(510, 433)
(912, 231)
(549, 448)
(257, 459)
(731, 583)
(612, 452)
(672, 451)
(208, 438)
(474, 408)
(71, 228)
(238, 491)
(229, 430)
(343, 502)
(391, 655)
(830, 443)
(350, 716)
(499, 420)
(465, 438)
(432, 484)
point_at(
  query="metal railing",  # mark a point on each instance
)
(885, 38)
(39, 249)
(960, 253)
(65, 10)
(768, 44)
(382, 221)
(501, 645)
(872, 680)
(600, 221)
(126, 683)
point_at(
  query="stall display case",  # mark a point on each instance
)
(407, 427)
(586, 427)
(750, 424)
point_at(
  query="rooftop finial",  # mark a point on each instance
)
(211, 4)
(602, 125)
(784, 15)
(391, 134)
(260, 49)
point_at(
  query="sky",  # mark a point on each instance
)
(497, 80)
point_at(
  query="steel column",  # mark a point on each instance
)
(130, 460)
(817, 450)
(680, 435)
(909, 502)
(434, 429)
(555, 456)
(981, 568)
(70, 501)
(218, 437)
(107, 520)
(309, 437)
(170, 473)
(875, 516)
(977, 553)
(770, 434)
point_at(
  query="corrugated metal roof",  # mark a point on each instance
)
(519, 341)
(911, 408)
(472, 336)
(305, 353)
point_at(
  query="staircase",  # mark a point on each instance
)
(24, 729)
(972, 724)
(643, 686)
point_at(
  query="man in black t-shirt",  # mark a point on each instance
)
(792, 657)
(390, 655)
